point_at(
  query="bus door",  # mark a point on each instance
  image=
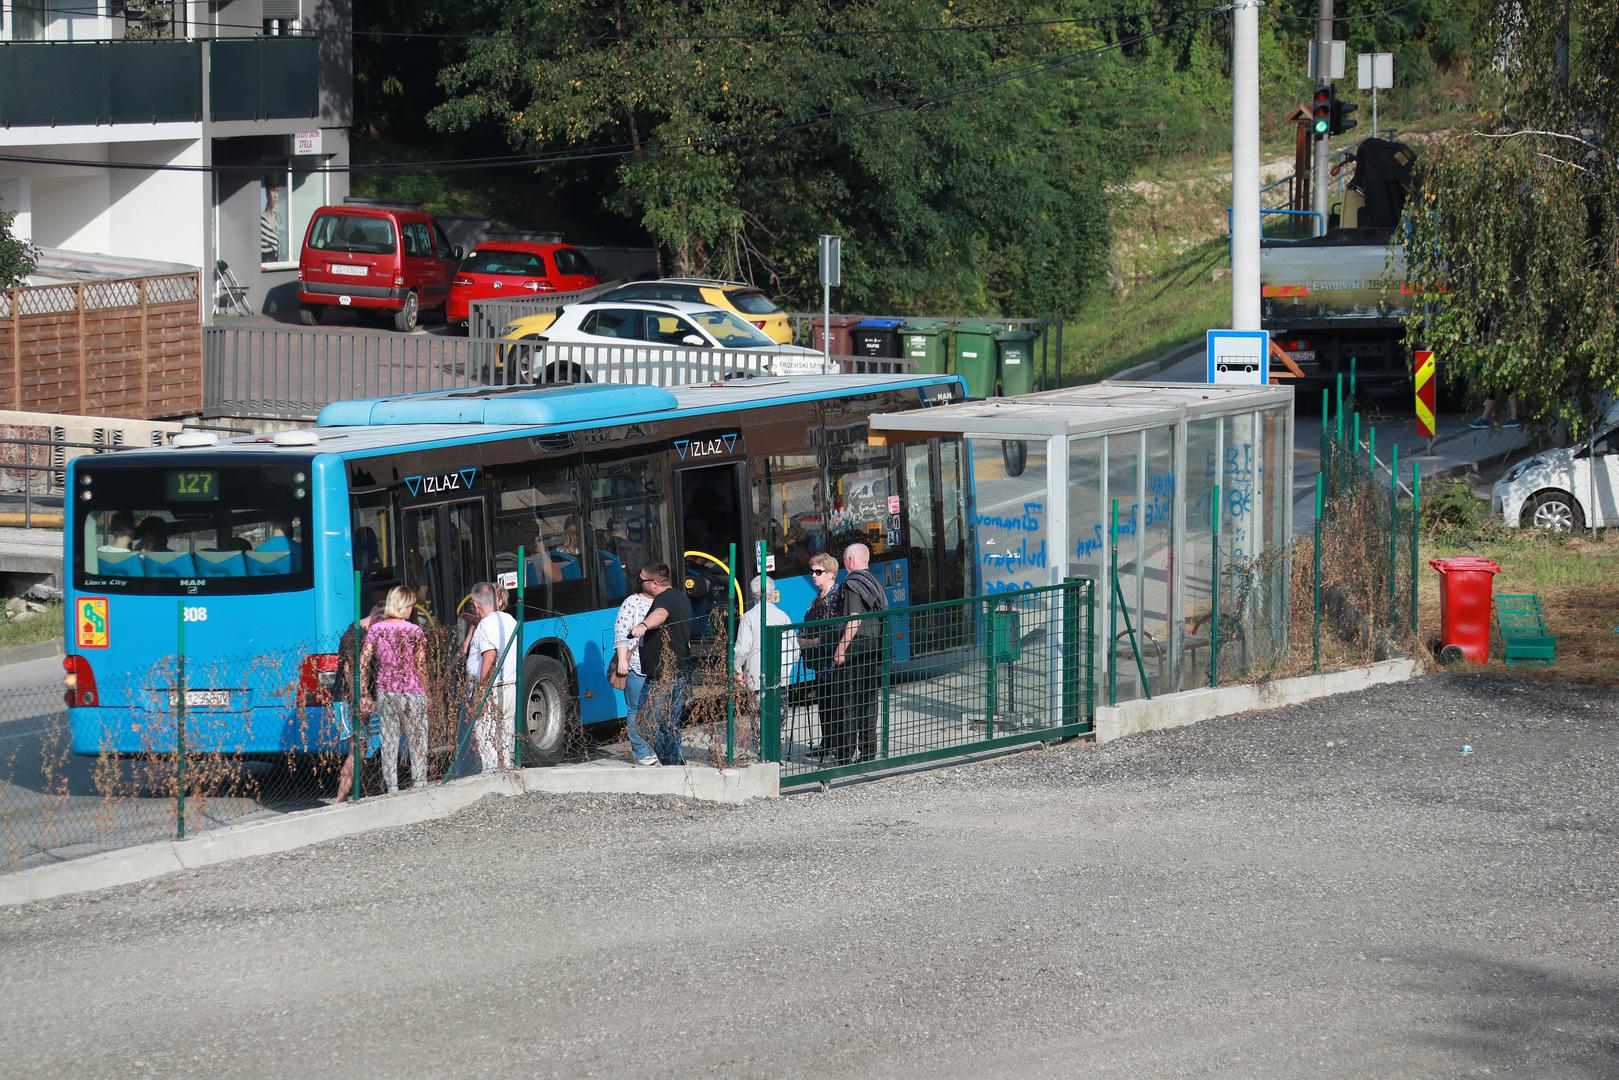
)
(711, 519)
(446, 553)
(937, 530)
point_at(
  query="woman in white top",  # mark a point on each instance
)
(627, 660)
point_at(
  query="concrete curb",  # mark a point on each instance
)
(287, 832)
(1162, 363)
(37, 650)
(1192, 706)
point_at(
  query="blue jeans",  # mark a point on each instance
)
(634, 702)
(662, 705)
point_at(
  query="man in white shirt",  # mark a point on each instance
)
(493, 657)
(750, 645)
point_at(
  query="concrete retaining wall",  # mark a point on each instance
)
(1191, 706)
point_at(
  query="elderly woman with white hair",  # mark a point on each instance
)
(750, 644)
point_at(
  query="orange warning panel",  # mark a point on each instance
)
(90, 622)
(1284, 290)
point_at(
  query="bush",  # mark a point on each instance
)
(1451, 504)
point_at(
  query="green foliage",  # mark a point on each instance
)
(1514, 235)
(1451, 504)
(17, 257)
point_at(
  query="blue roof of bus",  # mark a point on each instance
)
(374, 425)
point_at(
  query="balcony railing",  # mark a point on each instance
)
(58, 84)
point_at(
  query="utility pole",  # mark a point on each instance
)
(1245, 224)
(1323, 77)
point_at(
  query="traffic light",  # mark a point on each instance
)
(1322, 114)
(1340, 116)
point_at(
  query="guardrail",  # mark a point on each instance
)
(287, 373)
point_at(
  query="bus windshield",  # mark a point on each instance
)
(192, 529)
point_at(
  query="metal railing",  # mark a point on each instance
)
(289, 373)
(1007, 669)
(54, 84)
(489, 318)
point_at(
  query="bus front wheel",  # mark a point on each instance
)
(547, 708)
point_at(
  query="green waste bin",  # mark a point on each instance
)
(1015, 351)
(975, 357)
(926, 343)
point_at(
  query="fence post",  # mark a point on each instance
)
(1394, 528)
(355, 755)
(1214, 589)
(180, 721)
(1416, 530)
(992, 691)
(1112, 607)
(770, 701)
(1352, 366)
(1338, 412)
(1315, 618)
(730, 655)
(1070, 649)
(519, 703)
(887, 630)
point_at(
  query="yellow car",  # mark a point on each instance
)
(747, 301)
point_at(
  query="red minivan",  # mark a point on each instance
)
(375, 258)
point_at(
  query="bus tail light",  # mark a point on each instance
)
(79, 682)
(316, 677)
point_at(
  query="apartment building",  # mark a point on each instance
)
(185, 131)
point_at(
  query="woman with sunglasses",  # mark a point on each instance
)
(817, 650)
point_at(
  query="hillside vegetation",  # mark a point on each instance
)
(978, 158)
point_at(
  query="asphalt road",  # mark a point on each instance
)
(1334, 890)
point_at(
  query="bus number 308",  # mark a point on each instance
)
(195, 614)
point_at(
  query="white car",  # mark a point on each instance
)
(609, 342)
(1554, 489)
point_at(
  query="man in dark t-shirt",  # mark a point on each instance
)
(858, 658)
(665, 636)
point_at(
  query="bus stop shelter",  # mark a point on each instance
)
(1049, 469)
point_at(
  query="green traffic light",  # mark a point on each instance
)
(1321, 126)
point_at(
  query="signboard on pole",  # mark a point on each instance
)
(1375, 71)
(832, 261)
(1327, 59)
(1238, 357)
(1427, 403)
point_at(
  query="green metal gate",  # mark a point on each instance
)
(1014, 667)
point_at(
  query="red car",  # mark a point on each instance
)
(512, 269)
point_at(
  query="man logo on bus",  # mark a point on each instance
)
(92, 622)
(460, 480)
(694, 448)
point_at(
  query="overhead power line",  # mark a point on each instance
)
(621, 150)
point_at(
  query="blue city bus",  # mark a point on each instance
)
(250, 545)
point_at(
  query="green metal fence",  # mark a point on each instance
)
(1366, 544)
(999, 670)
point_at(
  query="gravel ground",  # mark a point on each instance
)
(1324, 891)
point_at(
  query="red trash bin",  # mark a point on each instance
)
(1465, 585)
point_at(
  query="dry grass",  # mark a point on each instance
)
(1577, 580)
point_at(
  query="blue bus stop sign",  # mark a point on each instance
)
(1238, 357)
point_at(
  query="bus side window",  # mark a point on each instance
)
(374, 536)
(537, 509)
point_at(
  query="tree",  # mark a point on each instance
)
(743, 129)
(1513, 236)
(18, 258)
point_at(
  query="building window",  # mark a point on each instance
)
(288, 198)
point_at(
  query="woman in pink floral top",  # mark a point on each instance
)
(395, 657)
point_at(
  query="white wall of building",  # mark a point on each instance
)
(155, 214)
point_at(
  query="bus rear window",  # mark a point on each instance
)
(185, 529)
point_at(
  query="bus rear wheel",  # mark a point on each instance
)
(547, 709)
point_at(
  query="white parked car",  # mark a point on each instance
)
(1554, 489)
(616, 342)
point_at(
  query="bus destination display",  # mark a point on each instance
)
(192, 485)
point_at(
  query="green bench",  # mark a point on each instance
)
(1522, 625)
